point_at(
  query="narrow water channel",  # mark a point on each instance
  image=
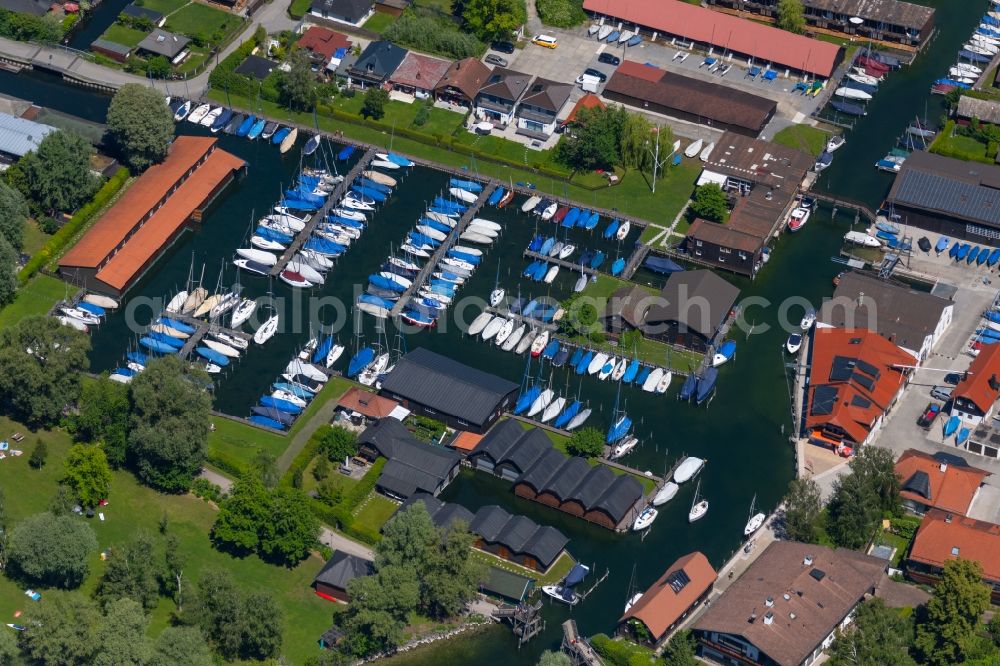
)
(743, 433)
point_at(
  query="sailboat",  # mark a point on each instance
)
(699, 506)
(496, 296)
(755, 521)
(270, 325)
(633, 594)
(645, 519)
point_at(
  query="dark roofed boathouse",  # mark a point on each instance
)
(331, 581)
(448, 391)
(413, 466)
(543, 474)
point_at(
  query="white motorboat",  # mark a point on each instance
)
(645, 519)
(688, 469)
(167, 330)
(581, 283)
(295, 279)
(968, 68)
(579, 419)
(251, 267)
(835, 142)
(756, 519)
(479, 323)
(666, 493)
(335, 353)
(81, 315)
(431, 232)
(553, 409)
(550, 211)
(852, 93)
(194, 299)
(539, 343)
(288, 396)
(623, 447)
(212, 368)
(625, 36)
(233, 341)
(496, 296)
(632, 601)
(623, 230)
(443, 218)
(861, 238)
(414, 250)
(207, 305)
(511, 342)
(567, 250)
(664, 383)
(464, 249)
(591, 31)
(260, 256)
(550, 274)
(980, 48)
(620, 367)
(266, 330)
(404, 264)
(794, 343)
(177, 302)
(543, 400)
(598, 362)
(808, 319)
(530, 203)
(652, 380)
(211, 117)
(374, 310)
(489, 232)
(504, 332)
(603, 33)
(355, 215)
(476, 237)
(374, 369)
(706, 152)
(693, 148)
(356, 204)
(384, 164)
(608, 368)
(297, 367)
(493, 327)
(266, 243)
(73, 323)
(100, 301)
(863, 78)
(380, 178)
(294, 223)
(699, 507)
(221, 347)
(199, 114)
(462, 195)
(798, 218)
(488, 224)
(526, 341)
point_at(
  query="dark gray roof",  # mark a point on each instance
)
(413, 465)
(379, 61)
(698, 299)
(593, 485)
(164, 43)
(341, 568)
(111, 47)
(620, 496)
(505, 84)
(532, 446)
(443, 514)
(489, 521)
(499, 440)
(543, 471)
(548, 95)
(507, 584)
(352, 10)
(447, 386)
(33, 7)
(893, 12)
(920, 484)
(142, 12)
(257, 67)
(568, 478)
(966, 190)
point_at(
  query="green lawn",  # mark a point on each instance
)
(604, 287)
(509, 150)
(632, 196)
(375, 511)
(163, 6)
(120, 34)
(36, 297)
(206, 23)
(34, 238)
(960, 147)
(401, 114)
(441, 6)
(806, 138)
(299, 8)
(132, 507)
(379, 22)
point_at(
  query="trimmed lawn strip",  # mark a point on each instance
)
(206, 23)
(299, 8)
(379, 22)
(806, 138)
(375, 511)
(34, 238)
(35, 298)
(163, 6)
(556, 572)
(120, 34)
(632, 196)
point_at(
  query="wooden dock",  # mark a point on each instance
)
(545, 325)
(202, 328)
(331, 202)
(564, 263)
(640, 254)
(578, 648)
(431, 264)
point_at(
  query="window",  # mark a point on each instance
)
(697, 243)
(724, 250)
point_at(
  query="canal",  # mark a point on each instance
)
(742, 433)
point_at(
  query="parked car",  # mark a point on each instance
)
(609, 59)
(941, 393)
(953, 378)
(494, 59)
(503, 47)
(596, 73)
(927, 417)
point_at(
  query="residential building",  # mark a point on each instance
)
(461, 83)
(939, 481)
(691, 309)
(722, 33)
(30, 7)
(652, 89)
(787, 606)
(499, 95)
(19, 136)
(376, 64)
(684, 586)
(855, 378)
(947, 196)
(884, 20)
(976, 394)
(726, 247)
(323, 44)
(364, 406)
(943, 536)
(913, 320)
(539, 108)
(443, 389)
(256, 67)
(351, 12)
(167, 44)
(331, 581)
(588, 101)
(412, 466)
(419, 74)
(626, 309)
(983, 110)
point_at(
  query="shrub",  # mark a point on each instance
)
(432, 35)
(561, 13)
(206, 490)
(423, 113)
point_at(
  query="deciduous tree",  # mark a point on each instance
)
(131, 572)
(379, 606)
(879, 635)
(876, 468)
(338, 442)
(449, 576)
(58, 172)
(374, 103)
(853, 512)
(291, 528)
(36, 387)
(8, 648)
(51, 550)
(553, 658)
(216, 609)
(803, 506)
(710, 203)
(261, 625)
(140, 125)
(122, 635)
(62, 631)
(8, 273)
(493, 19)
(180, 645)
(241, 514)
(39, 455)
(298, 85)
(13, 215)
(169, 432)
(87, 474)
(103, 417)
(588, 442)
(947, 630)
(679, 651)
(636, 141)
(791, 16)
(594, 140)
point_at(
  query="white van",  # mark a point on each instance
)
(547, 41)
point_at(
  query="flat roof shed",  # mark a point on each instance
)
(19, 136)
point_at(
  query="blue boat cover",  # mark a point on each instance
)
(662, 265)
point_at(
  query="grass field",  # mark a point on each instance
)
(806, 138)
(34, 238)
(206, 23)
(379, 22)
(133, 507)
(35, 298)
(124, 35)
(163, 6)
(402, 114)
(375, 510)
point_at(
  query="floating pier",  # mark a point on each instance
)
(202, 328)
(560, 262)
(578, 648)
(640, 254)
(525, 619)
(546, 325)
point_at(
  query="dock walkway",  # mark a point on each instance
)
(579, 650)
(331, 202)
(449, 242)
(560, 262)
(640, 254)
(530, 321)
(202, 328)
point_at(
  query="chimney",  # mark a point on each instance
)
(861, 298)
(769, 619)
(786, 596)
(947, 518)
(944, 467)
(808, 561)
(791, 616)
(769, 602)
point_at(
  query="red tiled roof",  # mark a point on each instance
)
(860, 398)
(323, 41)
(939, 539)
(371, 405)
(588, 101)
(984, 370)
(466, 441)
(420, 71)
(950, 490)
(763, 42)
(466, 76)
(660, 606)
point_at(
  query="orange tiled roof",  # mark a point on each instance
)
(939, 540)
(984, 370)
(466, 441)
(371, 405)
(164, 224)
(660, 606)
(951, 490)
(323, 41)
(860, 398)
(588, 101)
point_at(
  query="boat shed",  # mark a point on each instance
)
(507, 585)
(951, 197)
(331, 581)
(683, 587)
(412, 466)
(983, 110)
(691, 309)
(456, 394)
(646, 87)
(19, 136)
(114, 50)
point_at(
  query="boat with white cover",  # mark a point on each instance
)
(688, 469)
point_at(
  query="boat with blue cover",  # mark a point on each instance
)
(325, 247)
(215, 357)
(643, 375)
(157, 346)
(941, 244)
(618, 429)
(963, 251)
(526, 398)
(984, 255)
(166, 339)
(448, 204)
(257, 128)
(280, 135)
(298, 204)
(222, 120)
(631, 371)
(345, 222)
(294, 389)
(265, 421)
(613, 36)
(550, 349)
(437, 226)
(345, 153)
(993, 258)
(597, 260)
(372, 185)
(360, 361)
(559, 360)
(284, 405)
(618, 266)
(178, 325)
(577, 355)
(592, 221)
(706, 385)
(582, 366)
(496, 196)
(368, 194)
(536, 243)
(688, 387)
(399, 159)
(246, 126)
(283, 418)
(963, 434)
(611, 229)
(571, 218)
(951, 426)
(419, 239)
(529, 270)
(567, 414)
(547, 245)
(953, 252)
(385, 283)
(467, 185)
(323, 348)
(95, 310)
(988, 333)
(137, 357)
(725, 352)
(973, 255)
(465, 256)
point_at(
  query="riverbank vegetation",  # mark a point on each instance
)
(975, 142)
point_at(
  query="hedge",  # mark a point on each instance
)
(224, 77)
(341, 516)
(302, 459)
(226, 463)
(622, 653)
(62, 238)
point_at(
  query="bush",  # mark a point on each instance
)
(229, 464)
(561, 13)
(27, 28)
(432, 35)
(48, 225)
(423, 113)
(206, 490)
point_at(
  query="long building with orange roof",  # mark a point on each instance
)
(149, 216)
(855, 378)
(943, 536)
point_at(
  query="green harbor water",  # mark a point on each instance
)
(742, 433)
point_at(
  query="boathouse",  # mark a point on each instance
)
(461, 83)
(456, 394)
(647, 87)
(913, 320)
(626, 309)
(412, 466)
(691, 309)
(943, 536)
(683, 587)
(787, 606)
(976, 394)
(939, 481)
(149, 216)
(331, 581)
(673, 20)
(514, 538)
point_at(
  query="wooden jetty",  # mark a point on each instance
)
(560, 262)
(331, 202)
(545, 325)
(580, 652)
(202, 328)
(640, 254)
(525, 619)
(431, 264)
(543, 426)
